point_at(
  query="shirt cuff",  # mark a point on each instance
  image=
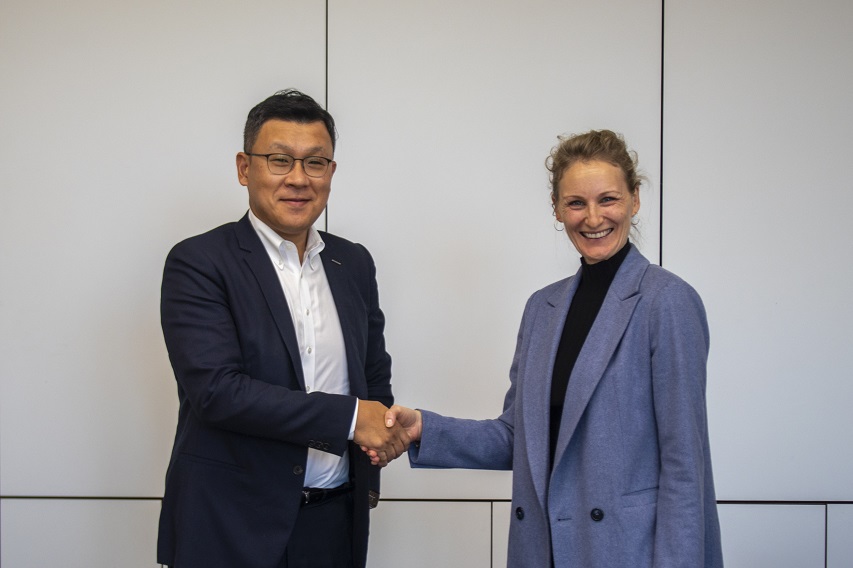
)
(354, 418)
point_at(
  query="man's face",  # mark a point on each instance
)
(292, 202)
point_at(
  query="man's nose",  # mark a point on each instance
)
(297, 175)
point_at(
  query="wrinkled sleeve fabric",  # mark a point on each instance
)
(208, 332)
(679, 341)
(474, 444)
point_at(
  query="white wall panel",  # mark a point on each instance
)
(839, 530)
(120, 122)
(430, 534)
(501, 518)
(446, 112)
(78, 533)
(756, 209)
(120, 125)
(777, 536)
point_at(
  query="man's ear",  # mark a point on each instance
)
(243, 168)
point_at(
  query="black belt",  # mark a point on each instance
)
(312, 495)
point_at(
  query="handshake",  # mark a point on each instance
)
(384, 433)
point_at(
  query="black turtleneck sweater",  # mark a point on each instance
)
(594, 283)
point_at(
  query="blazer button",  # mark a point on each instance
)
(596, 514)
(298, 470)
(519, 513)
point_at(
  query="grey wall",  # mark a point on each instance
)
(119, 122)
(756, 134)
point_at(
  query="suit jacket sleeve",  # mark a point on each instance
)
(232, 369)
(474, 444)
(679, 348)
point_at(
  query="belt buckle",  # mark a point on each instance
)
(306, 496)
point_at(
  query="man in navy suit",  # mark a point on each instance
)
(275, 335)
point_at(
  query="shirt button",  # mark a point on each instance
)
(307, 312)
(310, 350)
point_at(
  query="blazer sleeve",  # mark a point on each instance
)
(475, 444)
(679, 352)
(207, 326)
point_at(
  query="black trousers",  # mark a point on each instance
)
(322, 536)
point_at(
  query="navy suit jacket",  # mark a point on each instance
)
(245, 421)
(631, 485)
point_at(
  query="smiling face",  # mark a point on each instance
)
(596, 206)
(290, 203)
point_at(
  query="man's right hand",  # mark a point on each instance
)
(371, 431)
(397, 416)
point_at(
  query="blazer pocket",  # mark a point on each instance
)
(640, 498)
(212, 462)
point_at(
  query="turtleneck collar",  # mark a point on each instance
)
(603, 272)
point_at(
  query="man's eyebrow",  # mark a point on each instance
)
(312, 151)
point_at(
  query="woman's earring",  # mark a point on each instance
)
(558, 226)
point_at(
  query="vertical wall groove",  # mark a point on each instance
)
(660, 184)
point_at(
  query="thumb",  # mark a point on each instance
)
(391, 416)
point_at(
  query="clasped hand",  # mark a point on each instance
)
(399, 421)
(373, 430)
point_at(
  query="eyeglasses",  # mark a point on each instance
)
(280, 164)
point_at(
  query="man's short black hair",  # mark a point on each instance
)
(290, 105)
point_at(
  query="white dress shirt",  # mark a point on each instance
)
(318, 332)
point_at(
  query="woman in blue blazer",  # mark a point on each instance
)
(604, 424)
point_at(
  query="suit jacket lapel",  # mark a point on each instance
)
(256, 257)
(600, 345)
(540, 358)
(340, 285)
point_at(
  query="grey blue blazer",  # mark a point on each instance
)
(631, 485)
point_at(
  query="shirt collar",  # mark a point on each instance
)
(272, 241)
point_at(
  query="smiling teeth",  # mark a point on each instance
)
(597, 235)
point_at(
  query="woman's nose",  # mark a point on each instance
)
(593, 216)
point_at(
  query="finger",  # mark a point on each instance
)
(390, 453)
(391, 416)
(399, 446)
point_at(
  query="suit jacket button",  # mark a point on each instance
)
(519, 513)
(596, 514)
(298, 470)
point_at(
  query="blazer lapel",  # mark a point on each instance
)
(340, 285)
(600, 345)
(258, 260)
(540, 356)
